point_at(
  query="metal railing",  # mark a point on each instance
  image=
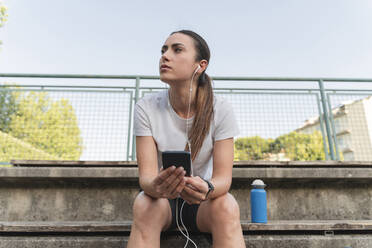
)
(90, 117)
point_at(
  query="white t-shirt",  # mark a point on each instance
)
(154, 116)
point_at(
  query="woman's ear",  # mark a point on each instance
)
(203, 65)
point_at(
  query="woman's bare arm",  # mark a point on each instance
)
(168, 183)
(223, 158)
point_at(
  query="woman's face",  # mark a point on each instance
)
(177, 62)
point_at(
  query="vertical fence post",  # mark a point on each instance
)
(326, 119)
(130, 123)
(325, 148)
(135, 101)
(333, 128)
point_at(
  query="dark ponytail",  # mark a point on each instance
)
(204, 98)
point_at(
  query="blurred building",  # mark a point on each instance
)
(353, 129)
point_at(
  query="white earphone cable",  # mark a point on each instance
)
(187, 236)
(188, 112)
(188, 142)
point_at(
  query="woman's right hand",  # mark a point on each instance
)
(170, 182)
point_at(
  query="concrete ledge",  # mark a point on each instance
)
(310, 225)
(34, 193)
(125, 226)
(67, 163)
(303, 173)
(171, 241)
(90, 205)
(69, 173)
(116, 234)
(252, 163)
(252, 241)
(131, 173)
(242, 171)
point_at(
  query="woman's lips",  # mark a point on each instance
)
(164, 68)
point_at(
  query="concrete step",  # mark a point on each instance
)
(304, 191)
(252, 241)
(275, 234)
(125, 226)
(54, 204)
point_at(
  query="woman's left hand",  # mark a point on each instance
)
(195, 190)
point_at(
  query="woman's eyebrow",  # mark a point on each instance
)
(177, 44)
(173, 45)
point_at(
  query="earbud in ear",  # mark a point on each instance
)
(197, 69)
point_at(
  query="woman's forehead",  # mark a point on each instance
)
(180, 39)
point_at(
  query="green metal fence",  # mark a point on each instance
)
(90, 117)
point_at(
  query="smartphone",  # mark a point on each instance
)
(177, 158)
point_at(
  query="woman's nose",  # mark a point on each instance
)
(164, 56)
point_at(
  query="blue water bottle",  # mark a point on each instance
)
(258, 202)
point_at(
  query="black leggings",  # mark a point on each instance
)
(189, 214)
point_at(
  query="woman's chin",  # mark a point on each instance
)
(165, 78)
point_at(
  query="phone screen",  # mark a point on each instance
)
(177, 158)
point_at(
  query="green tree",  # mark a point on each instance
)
(251, 148)
(300, 146)
(3, 16)
(12, 148)
(8, 107)
(46, 125)
(296, 146)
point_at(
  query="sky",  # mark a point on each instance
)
(287, 38)
(247, 38)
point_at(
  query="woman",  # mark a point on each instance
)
(160, 125)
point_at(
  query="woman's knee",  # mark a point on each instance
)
(225, 209)
(147, 209)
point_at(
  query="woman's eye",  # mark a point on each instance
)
(178, 49)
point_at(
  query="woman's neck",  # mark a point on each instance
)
(179, 99)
